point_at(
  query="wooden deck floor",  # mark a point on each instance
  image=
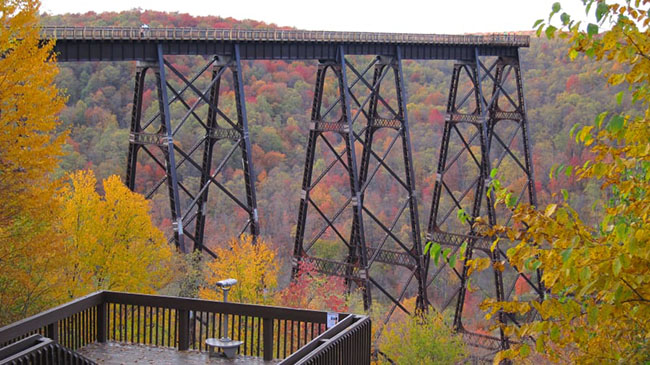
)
(114, 353)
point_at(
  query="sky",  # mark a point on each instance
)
(399, 16)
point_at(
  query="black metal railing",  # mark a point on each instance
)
(277, 35)
(185, 323)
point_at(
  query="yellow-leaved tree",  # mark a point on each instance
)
(111, 242)
(421, 339)
(253, 264)
(29, 151)
(597, 308)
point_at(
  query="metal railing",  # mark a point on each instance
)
(185, 323)
(337, 345)
(275, 35)
(37, 349)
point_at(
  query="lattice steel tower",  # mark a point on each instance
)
(486, 137)
(363, 113)
(188, 202)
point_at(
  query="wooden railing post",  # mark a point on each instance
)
(183, 329)
(102, 319)
(52, 331)
(267, 329)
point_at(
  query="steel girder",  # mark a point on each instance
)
(361, 97)
(184, 165)
(482, 134)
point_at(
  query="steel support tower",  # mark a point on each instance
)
(157, 139)
(486, 137)
(363, 111)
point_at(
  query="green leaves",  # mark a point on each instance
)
(511, 200)
(601, 10)
(565, 18)
(565, 194)
(615, 124)
(592, 29)
(566, 254)
(452, 260)
(550, 31)
(462, 216)
(617, 265)
(435, 250)
(598, 121)
(556, 8)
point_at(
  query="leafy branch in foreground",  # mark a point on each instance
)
(597, 309)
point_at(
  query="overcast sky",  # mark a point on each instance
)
(408, 16)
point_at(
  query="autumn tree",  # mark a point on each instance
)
(110, 241)
(597, 306)
(253, 264)
(421, 339)
(313, 290)
(30, 148)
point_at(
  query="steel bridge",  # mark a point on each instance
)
(485, 128)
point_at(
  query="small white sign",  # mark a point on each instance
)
(332, 319)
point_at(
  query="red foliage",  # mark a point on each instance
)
(435, 99)
(147, 97)
(305, 72)
(572, 83)
(435, 117)
(470, 304)
(313, 290)
(521, 286)
(222, 25)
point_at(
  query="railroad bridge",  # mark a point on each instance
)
(485, 126)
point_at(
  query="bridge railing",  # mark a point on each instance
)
(276, 35)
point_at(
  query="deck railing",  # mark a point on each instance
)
(185, 323)
(276, 35)
(37, 349)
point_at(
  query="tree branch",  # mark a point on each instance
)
(642, 299)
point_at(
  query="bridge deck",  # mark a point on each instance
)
(123, 44)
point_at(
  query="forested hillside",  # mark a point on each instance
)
(558, 93)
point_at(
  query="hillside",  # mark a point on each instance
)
(559, 93)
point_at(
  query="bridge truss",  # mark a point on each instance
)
(359, 124)
(487, 126)
(188, 203)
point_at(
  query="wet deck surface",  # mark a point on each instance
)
(114, 353)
